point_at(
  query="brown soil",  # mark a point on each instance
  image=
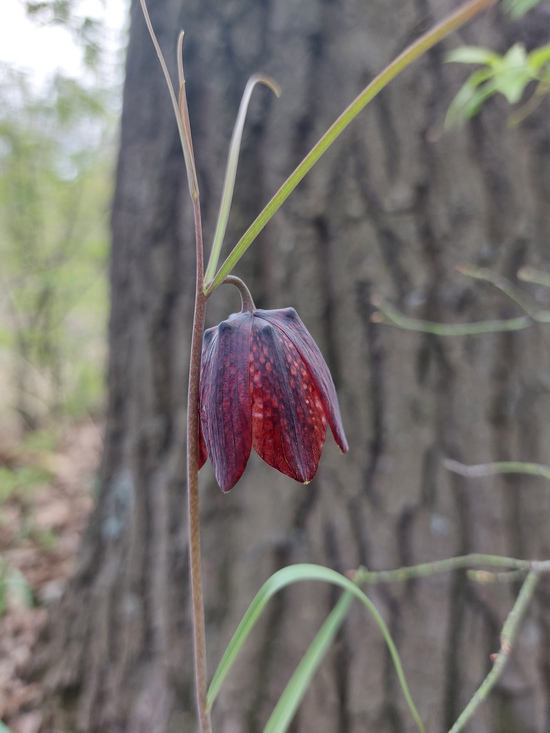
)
(40, 530)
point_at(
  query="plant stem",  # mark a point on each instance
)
(390, 316)
(247, 303)
(490, 469)
(199, 636)
(427, 569)
(507, 638)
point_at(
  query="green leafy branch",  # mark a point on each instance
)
(507, 75)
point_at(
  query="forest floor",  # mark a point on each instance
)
(46, 494)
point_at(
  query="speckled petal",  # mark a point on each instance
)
(289, 323)
(288, 420)
(203, 453)
(225, 413)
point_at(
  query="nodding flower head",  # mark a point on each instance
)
(265, 384)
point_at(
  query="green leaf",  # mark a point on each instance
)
(295, 690)
(514, 73)
(517, 8)
(467, 103)
(472, 55)
(410, 54)
(515, 57)
(277, 582)
(539, 57)
(231, 170)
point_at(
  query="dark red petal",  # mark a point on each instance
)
(225, 398)
(203, 454)
(288, 421)
(287, 321)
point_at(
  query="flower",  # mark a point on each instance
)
(265, 384)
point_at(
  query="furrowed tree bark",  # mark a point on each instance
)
(394, 206)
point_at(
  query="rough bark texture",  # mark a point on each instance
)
(392, 208)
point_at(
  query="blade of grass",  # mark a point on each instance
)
(185, 135)
(296, 687)
(183, 109)
(231, 170)
(410, 54)
(277, 582)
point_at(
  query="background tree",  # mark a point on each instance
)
(54, 191)
(391, 209)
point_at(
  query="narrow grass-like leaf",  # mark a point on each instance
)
(295, 690)
(185, 134)
(419, 47)
(277, 582)
(231, 170)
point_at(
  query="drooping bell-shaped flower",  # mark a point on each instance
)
(265, 384)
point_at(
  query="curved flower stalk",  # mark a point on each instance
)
(265, 384)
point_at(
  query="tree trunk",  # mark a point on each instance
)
(390, 210)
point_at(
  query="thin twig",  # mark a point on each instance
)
(507, 639)
(390, 316)
(486, 577)
(506, 287)
(490, 469)
(532, 275)
(425, 570)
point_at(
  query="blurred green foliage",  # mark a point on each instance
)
(507, 75)
(56, 153)
(13, 587)
(21, 479)
(518, 8)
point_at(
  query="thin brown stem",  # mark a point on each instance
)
(199, 635)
